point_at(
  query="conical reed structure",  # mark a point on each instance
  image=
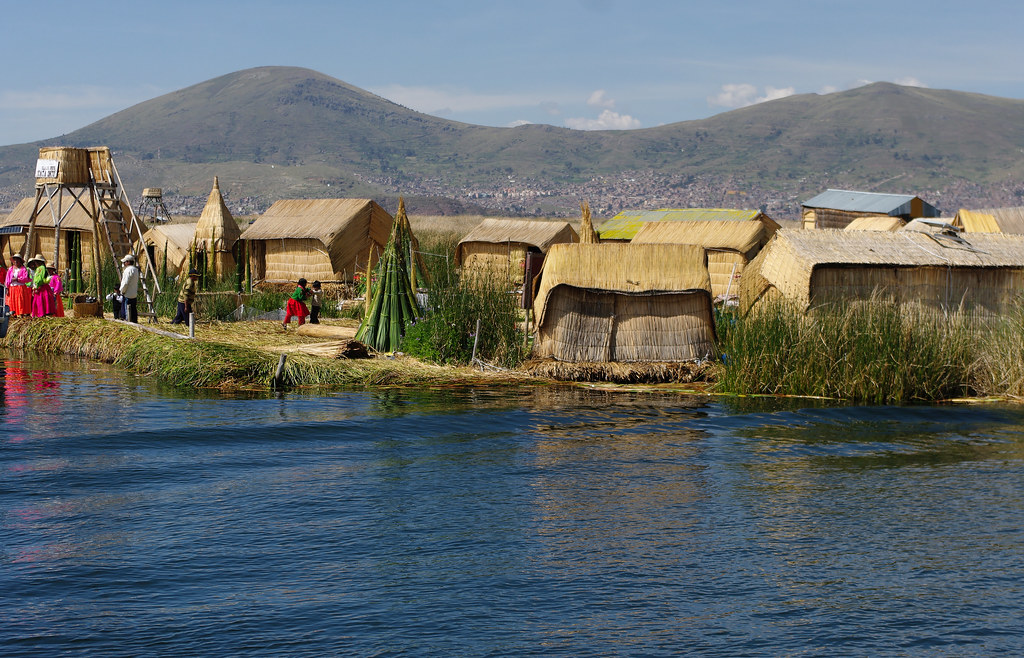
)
(587, 233)
(216, 235)
(391, 292)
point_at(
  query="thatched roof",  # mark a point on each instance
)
(876, 223)
(632, 269)
(216, 225)
(319, 219)
(790, 259)
(872, 203)
(533, 233)
(77, 219)
(624, 225)
(742, 237)
(178, 235)
(991, 220)
(171, 241)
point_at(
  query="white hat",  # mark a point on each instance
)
(128, 259)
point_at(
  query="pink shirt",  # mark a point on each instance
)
(16, 275)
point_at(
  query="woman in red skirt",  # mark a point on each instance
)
(297, 305)
(19, 295)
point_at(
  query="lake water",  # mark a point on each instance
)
(139, 521)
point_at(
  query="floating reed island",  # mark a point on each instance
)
(236, 356)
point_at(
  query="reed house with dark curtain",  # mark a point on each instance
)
(624, 302)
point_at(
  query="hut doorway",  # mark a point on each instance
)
(73, 253)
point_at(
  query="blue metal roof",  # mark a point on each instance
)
(870, 202)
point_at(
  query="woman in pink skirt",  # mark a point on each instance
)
(42, 294)
(57, 287)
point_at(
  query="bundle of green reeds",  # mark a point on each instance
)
(391, 295)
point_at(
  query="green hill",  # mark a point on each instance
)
(280, 132)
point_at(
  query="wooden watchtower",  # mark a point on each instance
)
(86, 177)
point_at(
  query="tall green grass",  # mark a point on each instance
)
(447, 332)
(870, 352)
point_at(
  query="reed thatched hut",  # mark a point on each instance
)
(499, 246)
(624, 302)
(875, 224)
(76, 232)
(325, 239)
(939, 270)
(169, 244)
(991, 220)
(217, 235)
(623, 226)
(837, 208)
(729, 245)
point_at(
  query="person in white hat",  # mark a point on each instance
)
(129, 289)
(19, 294)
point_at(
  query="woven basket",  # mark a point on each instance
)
(84, 309)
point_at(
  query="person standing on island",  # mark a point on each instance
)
(19, 295)
(129, 289)
(57, 288)
(42, 295)
(186, 296)
(314, 303)
(297, 305)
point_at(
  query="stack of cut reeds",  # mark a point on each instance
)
(391, 294)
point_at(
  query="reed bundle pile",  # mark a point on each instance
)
(587, 233)
(391, 293)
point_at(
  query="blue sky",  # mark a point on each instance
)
(585, 64)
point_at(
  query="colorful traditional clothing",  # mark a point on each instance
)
(57, 286)
(297, 305)
(42, 294)
(19, 295)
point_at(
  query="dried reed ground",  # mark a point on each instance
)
(231, 356)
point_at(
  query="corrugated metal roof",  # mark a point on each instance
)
(625, 225)
(873, 202)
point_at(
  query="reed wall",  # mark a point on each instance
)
(585, 325)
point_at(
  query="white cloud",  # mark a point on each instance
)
(598, 99)
(910, 81)
(775, 93)
(520, 122)
(742, 95)
(733, 95)
(608, 120)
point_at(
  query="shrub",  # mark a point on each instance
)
(447, 331)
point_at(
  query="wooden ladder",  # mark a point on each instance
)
(121, 233)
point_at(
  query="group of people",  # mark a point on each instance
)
(32, 288)
(296, 306)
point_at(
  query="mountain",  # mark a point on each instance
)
(281, 132)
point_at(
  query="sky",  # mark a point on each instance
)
(583, 64)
